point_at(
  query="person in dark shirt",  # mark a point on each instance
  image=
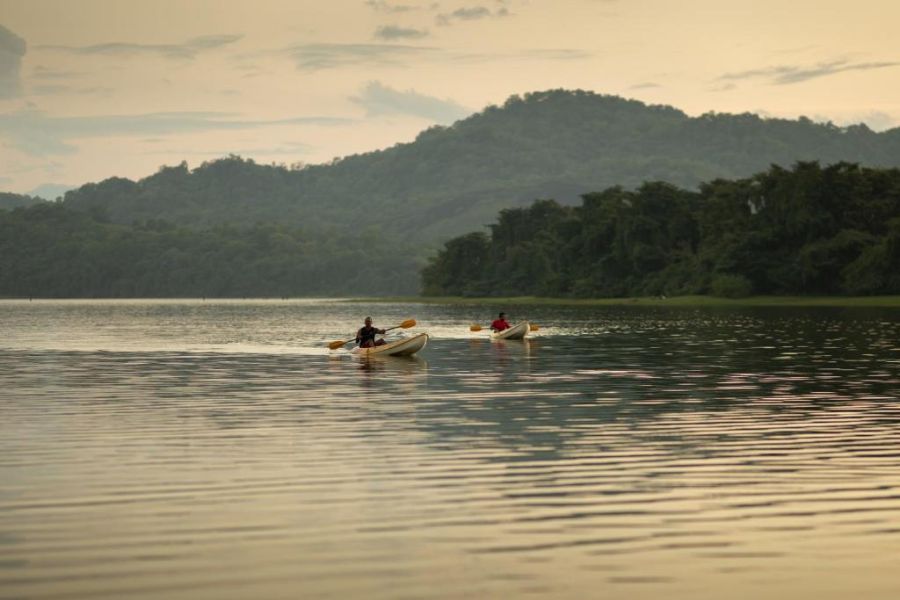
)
(499, 324)
(365, 337)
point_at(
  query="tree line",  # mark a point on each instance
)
(805, 230)
(51, 251)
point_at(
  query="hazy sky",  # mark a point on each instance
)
(95, 88)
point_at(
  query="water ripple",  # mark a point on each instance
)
(217, 450)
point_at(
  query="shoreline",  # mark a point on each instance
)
(677, 301)
(648, 301)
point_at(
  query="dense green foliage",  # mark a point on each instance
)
(362, 225)
(553, 144)
(809, 230)
(8, 200)
(51, 251)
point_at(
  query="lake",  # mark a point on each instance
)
(217, 449)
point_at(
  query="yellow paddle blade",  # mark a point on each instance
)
(337, 344)
(407, 324)
(475, 328)
(533, 327)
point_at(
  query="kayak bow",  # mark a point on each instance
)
(405, 347)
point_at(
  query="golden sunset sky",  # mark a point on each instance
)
(95, 88)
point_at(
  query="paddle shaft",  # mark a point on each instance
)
(476, 327)
(405, 325)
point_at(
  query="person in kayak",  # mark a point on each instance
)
(365, 337)
(499, 324)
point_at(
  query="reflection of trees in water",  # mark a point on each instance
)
(639, 375)
(544, 399)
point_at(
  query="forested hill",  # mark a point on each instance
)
(809, 230)
(8, 201)
(553, 144)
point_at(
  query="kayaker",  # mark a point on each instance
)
(365, 337)
(499, 324)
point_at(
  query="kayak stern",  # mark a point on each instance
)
(516, 332)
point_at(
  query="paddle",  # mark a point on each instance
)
(477, 327)
(404, 325)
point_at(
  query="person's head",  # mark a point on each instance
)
(368, 321)
(502, 315)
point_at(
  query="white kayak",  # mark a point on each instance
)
(405, 347)
(516, 332)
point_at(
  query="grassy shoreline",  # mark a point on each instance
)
(687, 301)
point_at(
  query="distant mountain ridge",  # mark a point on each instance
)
(51, 191)
(551, 144)
(9, 201)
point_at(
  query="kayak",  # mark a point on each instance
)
(405, 347)
(516, 332)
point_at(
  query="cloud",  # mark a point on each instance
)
(312, 57)
(309, 57)
(875, 120)
(724, 87)
(12, 49)
(471, 14)
(393, 32)
(186, 50)
(551, 54)
(533, 54)
(786, 74)
(383, 6)
(54, 82)
(55, 89)
(474, 13)
(379, 100)
(51, 168)
(285, 149)
(645, 86)
(36, 133)
(878, 120)
(42, 72)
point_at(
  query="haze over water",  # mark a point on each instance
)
(189, 449)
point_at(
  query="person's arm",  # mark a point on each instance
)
(381, 331)
(358, 332)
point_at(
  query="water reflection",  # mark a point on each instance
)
(394, 365)
(696, 454)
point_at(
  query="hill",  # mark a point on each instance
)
(810, 230)
(553, 144)
(50, 251)
(9, 201)
(231, 227)
(50, 191)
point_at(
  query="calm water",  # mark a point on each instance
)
(218, 450)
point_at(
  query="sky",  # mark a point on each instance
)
(91, 89)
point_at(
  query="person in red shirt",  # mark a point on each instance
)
(499, 324)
